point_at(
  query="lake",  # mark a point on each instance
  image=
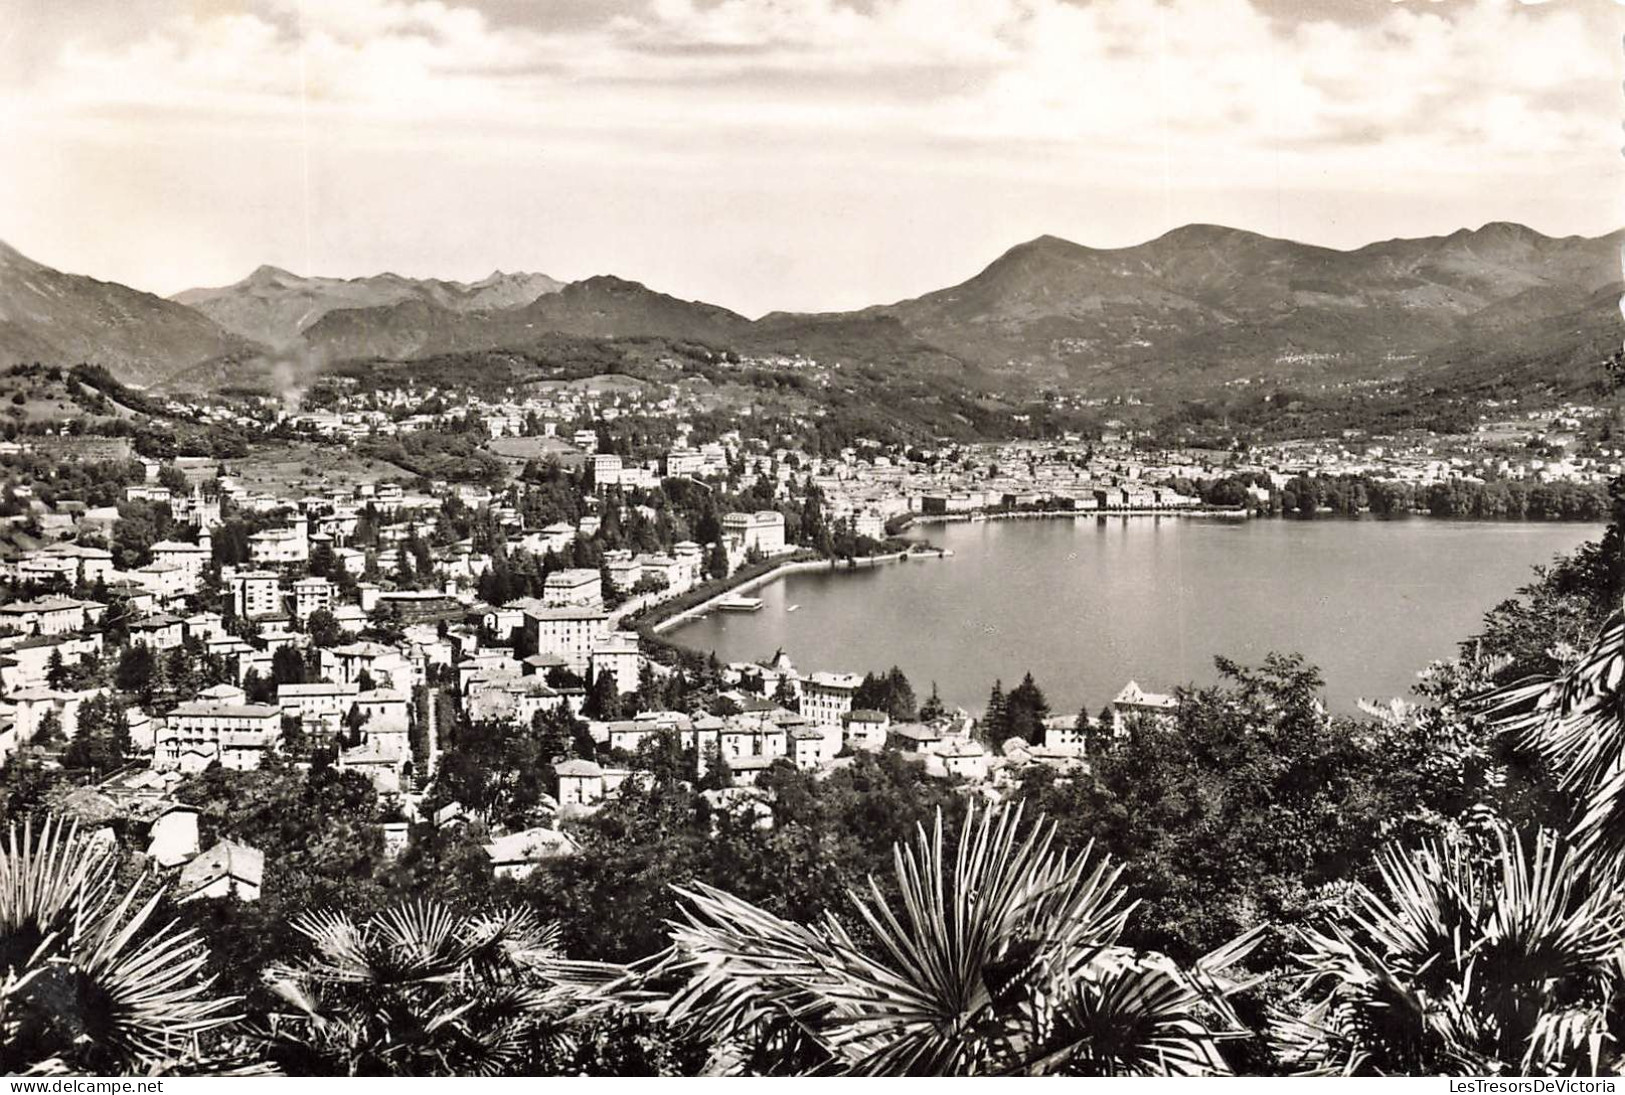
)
(1086, 605)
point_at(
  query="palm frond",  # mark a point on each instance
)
(1469, 960)
(1130, 1018)
(971, 969)
(419, 990)
(1576, 721)
(85, 966)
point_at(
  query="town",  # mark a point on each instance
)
(172, 616)
(820, 538)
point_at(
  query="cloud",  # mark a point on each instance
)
(1462, 103)
(1136, 73)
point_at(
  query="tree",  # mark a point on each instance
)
(603, 698)
(288, 666)
(994, 724)
(355, 720)
(1573, 721)
(324, 563)
(324, 629)
(102, 739)
(1025, 711)
(49, 733)
(1253, 774)
(900, 703)
(932, 709)
(716, 564)
(784, 694)
(138, 672)
(91, 985)
(889, 692)
(498, 769)
(418, 990)
(1466, 960)
(172, 479)
(999, 959)
(139, 526)
(650, 695)
(56, 670)
(405, 576)
(182, 671)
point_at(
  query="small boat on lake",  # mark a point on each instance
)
(792, 608)
(740, 604)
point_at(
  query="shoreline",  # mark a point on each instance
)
(767, 577)
(1232, 514)
(908, 521)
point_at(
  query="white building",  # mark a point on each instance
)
(312, 595)
(165, 581)
(619, 655)
(580, 587)
(49, 616)
(281, 546)
(826, 699)
(762, 531)
(192, 558)
(236, 736)
(571, 633)
(256, 593)
(1133, 701)
(869, 523)
(606, 470)
(688, 462)
(384, 666)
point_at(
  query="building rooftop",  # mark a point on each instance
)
(1133, 695)
(567, 612)
(227, 710)
(530, 846)
(227, 859)
(751, 764)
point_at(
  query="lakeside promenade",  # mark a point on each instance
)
(1227, 513)
(773, 575)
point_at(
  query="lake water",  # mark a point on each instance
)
(1086, 605)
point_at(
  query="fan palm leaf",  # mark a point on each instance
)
(1576, 721)
(419, 990)
(1466, 961)
(988, 960)
(84, 967)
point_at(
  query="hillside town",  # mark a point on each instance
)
(821, 538)
(195, 621)
(311, 645)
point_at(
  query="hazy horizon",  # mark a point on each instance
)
(806, 155)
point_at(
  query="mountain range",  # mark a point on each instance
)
(1205, 302)
(275, 307)
(1190, 310)
(49, 316)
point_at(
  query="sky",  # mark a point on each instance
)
(781, 154)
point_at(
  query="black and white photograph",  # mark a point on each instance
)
(811, 538)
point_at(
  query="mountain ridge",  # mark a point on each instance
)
(1220, 299)
(1197, 306)
(274, 306)
(49, 315)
